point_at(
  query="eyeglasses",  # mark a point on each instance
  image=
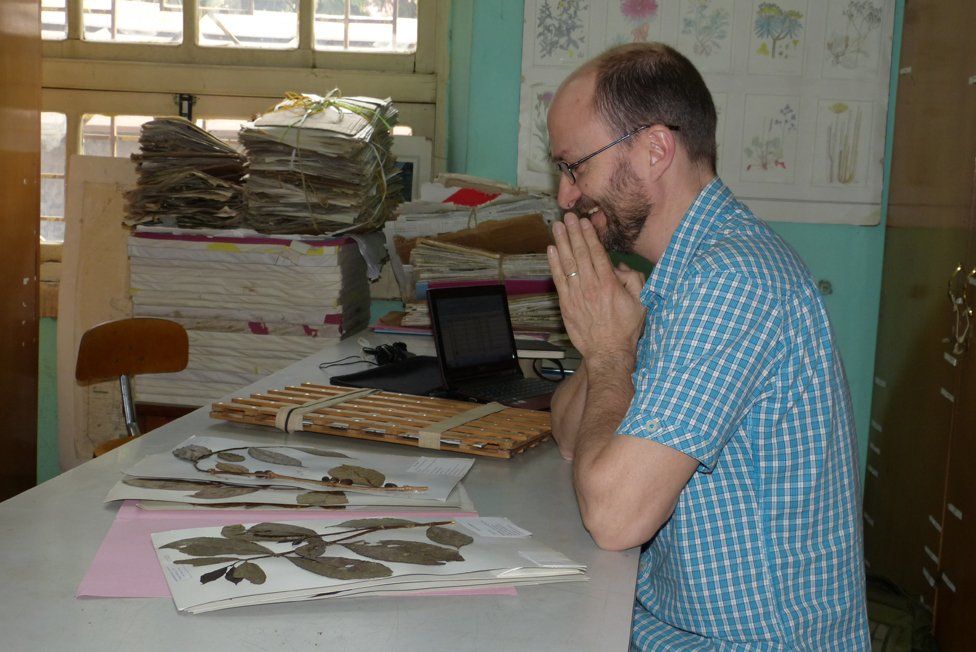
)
(568, 168)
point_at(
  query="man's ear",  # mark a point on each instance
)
(660, 148)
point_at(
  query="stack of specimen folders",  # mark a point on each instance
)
(531, 314)
(455, 204)
(251, 303)
(214, 568)
(186, 177)
(209, 472)
(322, 165)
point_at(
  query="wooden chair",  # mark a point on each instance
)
(126, 347)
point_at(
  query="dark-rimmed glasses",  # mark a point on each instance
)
(568, 168)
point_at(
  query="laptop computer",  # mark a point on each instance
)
(476, 347)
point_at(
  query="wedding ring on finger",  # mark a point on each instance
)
(571, 274)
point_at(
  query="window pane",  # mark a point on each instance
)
(225, 129)
(133, 21)
(267, 24)
(52, 230)
(366, 25)
(52, 197)
(103, 135)
(54, 127)
(54, 25)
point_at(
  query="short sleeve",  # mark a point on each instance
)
(708, 352)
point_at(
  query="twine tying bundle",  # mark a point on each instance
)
(312, 105)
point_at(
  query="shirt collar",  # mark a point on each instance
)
(697, 222)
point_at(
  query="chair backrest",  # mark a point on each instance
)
(141, 345)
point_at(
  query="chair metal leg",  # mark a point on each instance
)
(128, 406)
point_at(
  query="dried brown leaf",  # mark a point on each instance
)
(232, 531)
(272, 457)
(206, 561)
(172, 485)
(227, 456)
(216, 546)
(247, 571)
(213, 493)
(322, 498)
(319, 451)
(406, 552)
(312, 549)
(342, 568)
(358, 474)
(377, 522)
(212, 575)
(447, 536)
(279, 532)
(192, 453)
(231, 468)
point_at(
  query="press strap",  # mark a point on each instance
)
(290, 418)
(430, 436)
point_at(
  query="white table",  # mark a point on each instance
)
(48, 536)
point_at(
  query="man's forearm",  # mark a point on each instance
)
(608, 396)
(567, 411)
(609, 391)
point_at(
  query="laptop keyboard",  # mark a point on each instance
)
(511, 390)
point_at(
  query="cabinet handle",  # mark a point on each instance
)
(959, 297)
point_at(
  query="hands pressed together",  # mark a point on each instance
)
(599, 303)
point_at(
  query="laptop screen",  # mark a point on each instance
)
(473, 332)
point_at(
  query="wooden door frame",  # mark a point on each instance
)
(20, 101)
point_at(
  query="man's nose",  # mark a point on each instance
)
(568, 193)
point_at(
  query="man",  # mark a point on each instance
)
(710, 420)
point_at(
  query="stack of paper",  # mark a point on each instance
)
(434, 260)
(322, 165)
(530, 313)
(251, 304)
(187, 177)
(215, 471)
(451, 205)
(245, 564)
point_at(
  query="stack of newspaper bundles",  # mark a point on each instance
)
(208, 472)
(322, 165)
(186, 177)
(251, 304)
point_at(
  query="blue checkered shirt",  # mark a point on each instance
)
(738, 369)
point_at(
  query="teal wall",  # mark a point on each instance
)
(486, 64)
(47, 402)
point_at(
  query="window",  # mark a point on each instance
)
(133, 21)
(337, 25)
(117, 135)
(386, 25)
(54, 20)
(269, 24)
(53, 137)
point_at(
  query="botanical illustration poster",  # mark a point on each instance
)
(800, 88)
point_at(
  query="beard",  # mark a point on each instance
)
(624, 206)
